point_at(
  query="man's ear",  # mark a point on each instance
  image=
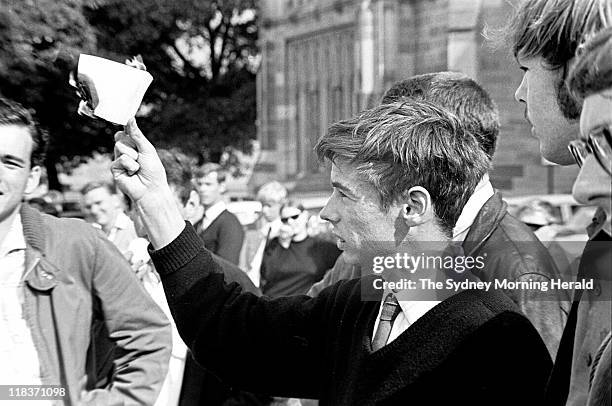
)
(417, 208)
(33, 179)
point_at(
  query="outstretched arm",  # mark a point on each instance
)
(249, 341)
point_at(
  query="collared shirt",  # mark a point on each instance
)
(411, 311)
(270, 231)
(482, 193)
(212, 213)
(20, 364)
(122, 233)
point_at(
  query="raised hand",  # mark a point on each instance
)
(139, 173)
(137, 169)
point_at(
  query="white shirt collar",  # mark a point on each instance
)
(483, 192)
(14, 239)
(122, 221)
(271, 227)
(212, 213)
(414, 310)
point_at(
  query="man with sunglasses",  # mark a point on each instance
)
(582, 368)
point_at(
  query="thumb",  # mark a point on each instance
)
(142, 143)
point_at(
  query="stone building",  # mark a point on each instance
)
(324, 60)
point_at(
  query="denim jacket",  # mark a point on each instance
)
(69, 266)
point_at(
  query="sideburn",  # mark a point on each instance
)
(570, 108)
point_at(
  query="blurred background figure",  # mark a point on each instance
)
(220, 230)
(103, 207)
(272, 196)
(317, 227)
(540, 216)
(55, 198)
(43, 206)
(294, 261)
(178, 172)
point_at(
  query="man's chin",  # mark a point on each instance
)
(350, 257)
(555, 155)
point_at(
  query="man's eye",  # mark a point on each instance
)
(13, 164)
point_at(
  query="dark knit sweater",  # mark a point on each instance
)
(224, 236)
(293, 270)
(473, 348)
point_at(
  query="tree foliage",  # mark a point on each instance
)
(201, 53)
(37, 39)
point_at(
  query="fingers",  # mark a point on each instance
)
(121, 136)
(142, 270)
(142, 143)
(124, 164)
(123, 149)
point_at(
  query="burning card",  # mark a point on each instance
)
(111, 90)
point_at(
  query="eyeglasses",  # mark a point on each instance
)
(285, 220)
(598, 143)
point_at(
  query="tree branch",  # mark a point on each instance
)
(189, 66)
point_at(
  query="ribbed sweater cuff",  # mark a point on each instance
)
(179, 252)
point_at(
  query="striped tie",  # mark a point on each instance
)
(389, 312)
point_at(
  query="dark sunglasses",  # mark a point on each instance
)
(285, 220)
(598, 143)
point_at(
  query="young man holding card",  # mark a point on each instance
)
(338, 347)
(54, 275)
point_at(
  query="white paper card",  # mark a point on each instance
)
(117, 89)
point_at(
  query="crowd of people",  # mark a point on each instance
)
(168, 300)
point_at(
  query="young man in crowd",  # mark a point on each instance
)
(484, 226)
(587, 365)
(186, 383)
(103, 206)
(544, 36)
(340, 350)
(220, 230)
(272, 196)
(54, 273)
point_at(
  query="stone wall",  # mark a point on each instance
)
(323, 60)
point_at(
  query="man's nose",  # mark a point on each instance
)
(329, 213)
(592, 181)
(520, 93)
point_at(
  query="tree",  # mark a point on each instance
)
(202, 55)
(37, 42)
